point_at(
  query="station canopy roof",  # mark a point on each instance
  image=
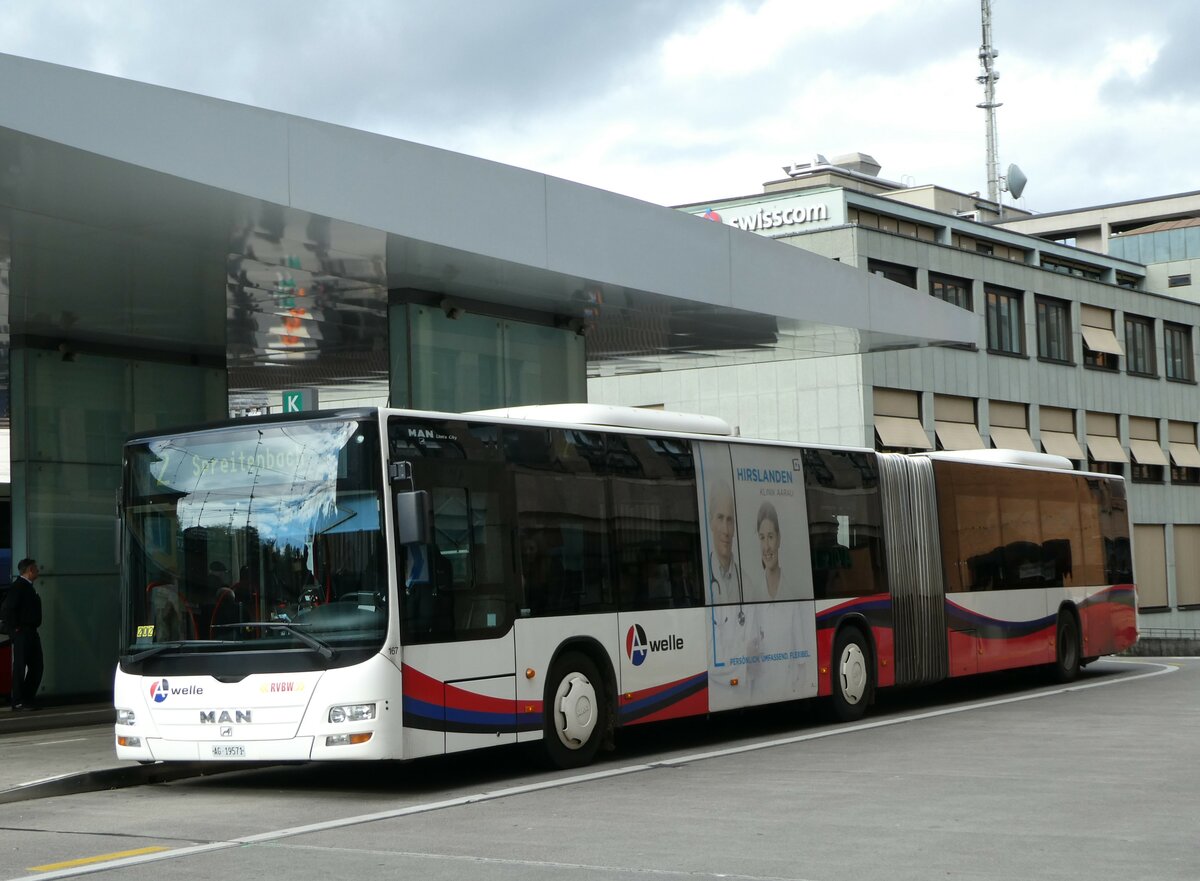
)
(145, 218)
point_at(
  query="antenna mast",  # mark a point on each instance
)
(987, 78)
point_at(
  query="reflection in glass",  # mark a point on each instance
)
(228, 531)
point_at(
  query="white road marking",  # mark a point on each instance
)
(525, 789)
(542, 864)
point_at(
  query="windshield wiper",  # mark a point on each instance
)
(161, 647)
(317, 645)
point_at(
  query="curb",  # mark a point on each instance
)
(119, 778)
(55, 718)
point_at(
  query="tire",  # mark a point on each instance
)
(852, 675)
(575, 711)
(1067, 652)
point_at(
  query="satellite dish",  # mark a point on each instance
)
(1016, 181)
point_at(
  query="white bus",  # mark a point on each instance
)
(390, 584)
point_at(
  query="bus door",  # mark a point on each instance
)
(456, 609)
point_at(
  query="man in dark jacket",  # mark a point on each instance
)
(22, 615)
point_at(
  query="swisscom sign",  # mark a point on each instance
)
(780, 217)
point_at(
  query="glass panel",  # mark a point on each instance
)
(1177, 244)
(81, 613)
(170, 395)
(1161, 245)
(543, 365)
(398, 391)
(1192, 243)
(456, 362)
(656, 528)
(563, 528)
(1052, 330)
(77, 407)
(845, 523)
(71, 514)
(256, 537)
(1139, 345)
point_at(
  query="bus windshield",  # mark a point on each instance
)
(264, 537)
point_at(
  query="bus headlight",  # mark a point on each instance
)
(352, 713)
(126, 717)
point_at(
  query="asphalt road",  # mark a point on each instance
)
(1002, 777)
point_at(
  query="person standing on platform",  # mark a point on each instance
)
(22, 614)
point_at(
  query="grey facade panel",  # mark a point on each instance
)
(418, 192)
(612, 239)
(219, 143)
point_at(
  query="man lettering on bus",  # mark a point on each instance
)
(725, 582)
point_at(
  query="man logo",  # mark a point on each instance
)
(158, 691)
(635, 645)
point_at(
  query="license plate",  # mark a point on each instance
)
(229, 751)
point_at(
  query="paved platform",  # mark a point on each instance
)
(66, 749)
(73, 715)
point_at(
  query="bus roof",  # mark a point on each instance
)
(615, 417)
(1005, 457)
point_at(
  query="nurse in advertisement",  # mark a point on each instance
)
(759, 575)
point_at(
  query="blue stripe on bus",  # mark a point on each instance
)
(663, 699)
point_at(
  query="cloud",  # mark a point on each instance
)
(680, 102)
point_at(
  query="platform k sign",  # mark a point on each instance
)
(299, 401)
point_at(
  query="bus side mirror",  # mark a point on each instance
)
(414, 518)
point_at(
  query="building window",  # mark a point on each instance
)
(1177, 352)
(1183, 474)
(1054, 330)
(955, 291)
(1067, 267)
(1004, 322)
(1179, 281)
(1185, 456)
(1105, 453)
(1116, 469)
(904, 275)
(1139, 345)
(898, 427)
(1101, 348)
(1149, 463)
(1146, 473)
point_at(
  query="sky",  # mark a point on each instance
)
(683, 101)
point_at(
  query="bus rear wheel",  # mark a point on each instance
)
(853, 680)
(574, 710)
(1066, 651)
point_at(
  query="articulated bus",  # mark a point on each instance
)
(391, 584)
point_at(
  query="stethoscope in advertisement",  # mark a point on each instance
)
(715, 587)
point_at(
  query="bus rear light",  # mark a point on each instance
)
(123, 740)
(352, 713)
(347, 739)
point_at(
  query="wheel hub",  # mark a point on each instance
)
(852, 673)
(575, 706)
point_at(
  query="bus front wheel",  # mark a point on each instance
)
(574, 711)
(853, 680)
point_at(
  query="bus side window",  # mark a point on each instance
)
(845, 523)
(656, 526)
(563, 534)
